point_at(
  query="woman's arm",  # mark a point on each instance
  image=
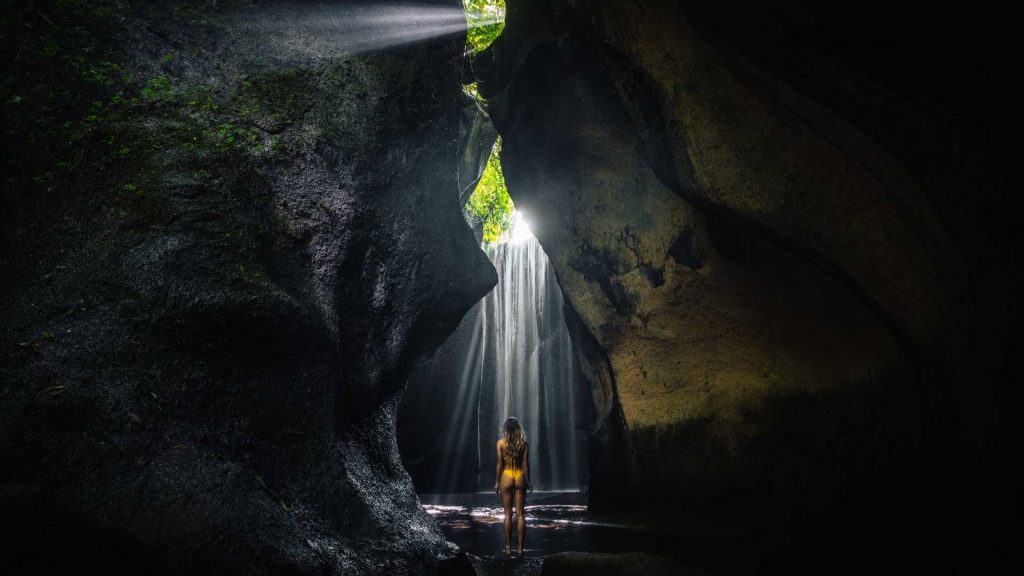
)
(498, 468)
(526, 466)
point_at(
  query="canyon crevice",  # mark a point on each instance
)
(231, 230)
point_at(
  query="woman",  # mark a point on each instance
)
(513, 478)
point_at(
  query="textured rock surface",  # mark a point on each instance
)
(761, 220)
(226, 240)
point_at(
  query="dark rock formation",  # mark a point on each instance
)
(769, 223)
(227, 236)
(439, 398)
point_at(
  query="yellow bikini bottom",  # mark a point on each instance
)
(515, 473)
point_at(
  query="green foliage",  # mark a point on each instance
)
(490, 204)
(82, 130)
(473, 90)
(158, 88)
(107, 73)
(486, 20)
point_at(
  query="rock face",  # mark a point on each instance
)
(228, 235)
(760, 220)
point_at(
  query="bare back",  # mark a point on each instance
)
(510, 460)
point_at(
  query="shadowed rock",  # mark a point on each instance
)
(227, 239)
(760, 220)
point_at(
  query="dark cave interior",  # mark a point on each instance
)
(233, 237)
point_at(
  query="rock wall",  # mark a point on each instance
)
(228, 234)
(766, 222)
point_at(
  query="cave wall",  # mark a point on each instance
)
(768, 223)
(227, 236)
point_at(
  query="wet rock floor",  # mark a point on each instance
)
(560, 522)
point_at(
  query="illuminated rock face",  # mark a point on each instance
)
(766, 245)
(208, 383)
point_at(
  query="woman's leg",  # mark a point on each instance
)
(520, 497)
(506, 487)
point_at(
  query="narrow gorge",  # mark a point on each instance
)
(254, 320)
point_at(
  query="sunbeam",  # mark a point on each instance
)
(511, 356)
(357, 28)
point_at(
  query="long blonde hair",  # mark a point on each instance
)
(515, 441)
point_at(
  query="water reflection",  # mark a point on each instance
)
(540, 516)
(560, 521)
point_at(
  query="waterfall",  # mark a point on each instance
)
(533, 380)
(510, 356)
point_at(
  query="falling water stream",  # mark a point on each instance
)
(510, 356)
(527, 366)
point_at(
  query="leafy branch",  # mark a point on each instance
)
(490, 205)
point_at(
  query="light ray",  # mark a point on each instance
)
(355, 27)
(520, 231)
